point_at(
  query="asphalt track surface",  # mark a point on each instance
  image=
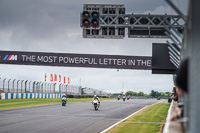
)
(72, 118)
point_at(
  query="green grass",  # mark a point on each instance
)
(20, 103)
(135, 128)
(154, 113)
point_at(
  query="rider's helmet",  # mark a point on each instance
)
(95, 95)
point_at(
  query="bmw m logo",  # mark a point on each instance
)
(10, 57)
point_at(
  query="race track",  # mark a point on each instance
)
(73, 118)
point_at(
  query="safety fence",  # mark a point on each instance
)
(12, 89)
(29, 95)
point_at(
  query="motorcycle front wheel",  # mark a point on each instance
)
(95, 107)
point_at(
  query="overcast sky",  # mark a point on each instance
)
(54, 26)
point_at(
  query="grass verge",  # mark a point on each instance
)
(136, 124)
(153, 113)
(20, 103)
(135, 128)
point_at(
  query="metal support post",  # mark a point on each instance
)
(60, 91)
(30, 86)
(48, 87)
(3, 84)
(42, 87)
(13, 85)
(45, 88)
(34, 86)
(21, 85)
(25, 85)
(66, 89)
(8, 85)
(51, 86)
(18, 86)
(54, 87)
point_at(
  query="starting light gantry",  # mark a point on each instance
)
(110, 21)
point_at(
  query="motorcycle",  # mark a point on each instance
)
(64, 101)
(118, 97)
(96, 104)
(124, 98)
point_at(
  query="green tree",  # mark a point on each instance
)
(141, 93)
(135, 93)
(155, 93)
(163, 94)
(129, 93)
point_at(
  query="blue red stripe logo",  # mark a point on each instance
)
(10, 57)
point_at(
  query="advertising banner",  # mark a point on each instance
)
(75, 60)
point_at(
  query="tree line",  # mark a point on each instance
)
(153, 94)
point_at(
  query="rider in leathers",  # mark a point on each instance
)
(95, 97)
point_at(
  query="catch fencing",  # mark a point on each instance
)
(12, 88)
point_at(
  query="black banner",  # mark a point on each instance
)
(75, 60)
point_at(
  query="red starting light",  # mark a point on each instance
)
(95, 23)
(90, 19)
(86, 23)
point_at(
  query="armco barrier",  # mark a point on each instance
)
(29, 95)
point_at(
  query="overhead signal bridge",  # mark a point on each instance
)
(110, 21)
